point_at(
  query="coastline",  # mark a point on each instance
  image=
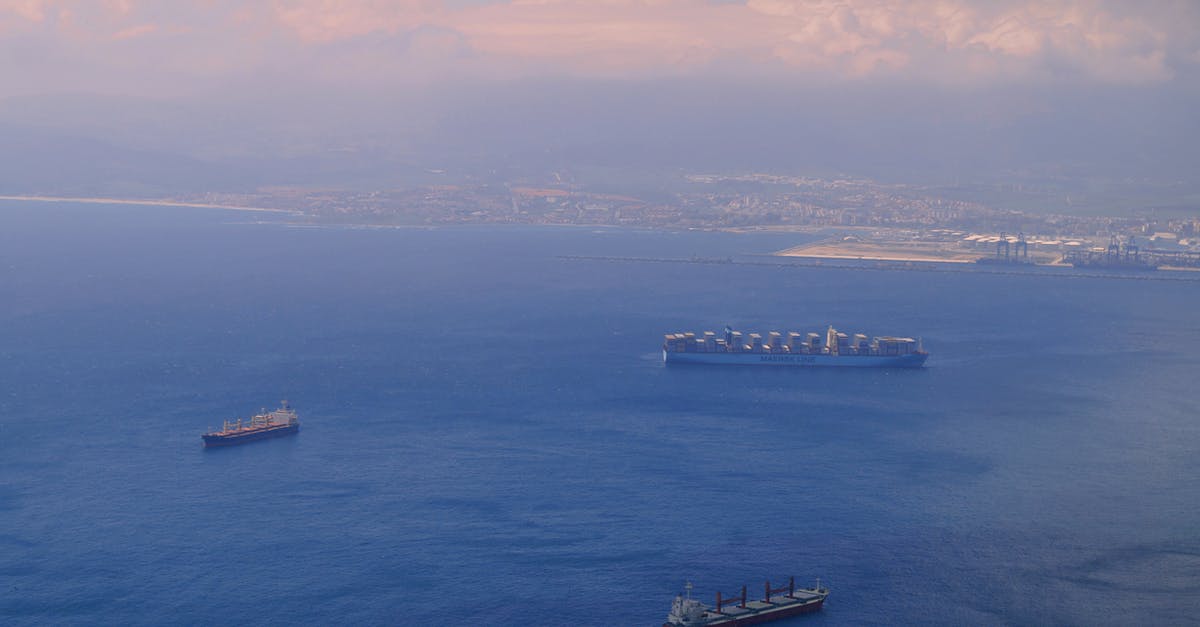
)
(882, 253)
(824, 250)
(144, 202)
(884, 257)
(863, 251)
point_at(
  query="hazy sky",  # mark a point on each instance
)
(891, 82)
(147, 47)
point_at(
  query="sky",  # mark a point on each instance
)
(145, 47)
(214, 78)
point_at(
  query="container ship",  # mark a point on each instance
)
(793, 349)
(735, 610)
(281, 422)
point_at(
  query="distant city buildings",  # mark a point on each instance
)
(714, 201)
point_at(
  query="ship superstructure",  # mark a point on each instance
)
(736, 611)
(280, 422)
(793, 349)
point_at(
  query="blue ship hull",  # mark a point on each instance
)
(911, 360)
(212, 440)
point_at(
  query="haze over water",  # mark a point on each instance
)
(1070, 106)
(489, 436)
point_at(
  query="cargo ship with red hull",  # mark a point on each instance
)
(735, 611)
(278, 423)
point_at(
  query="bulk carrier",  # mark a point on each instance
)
(281, 422)
(794, 349)
(736, 611)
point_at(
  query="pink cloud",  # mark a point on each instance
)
(135, 31)
(860, 38)
(941, 41)
(322, 21)
(603, 36)
(31, 10)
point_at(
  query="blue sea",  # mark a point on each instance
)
(490, 437)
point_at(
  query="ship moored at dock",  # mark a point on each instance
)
(281, 422)
(736, 611)
(793, 349)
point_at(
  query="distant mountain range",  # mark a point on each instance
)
(1030, 149)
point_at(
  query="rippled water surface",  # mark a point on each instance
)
(490, 437)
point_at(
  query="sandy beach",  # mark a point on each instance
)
(151, 203)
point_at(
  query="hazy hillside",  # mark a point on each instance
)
(1034, 147)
